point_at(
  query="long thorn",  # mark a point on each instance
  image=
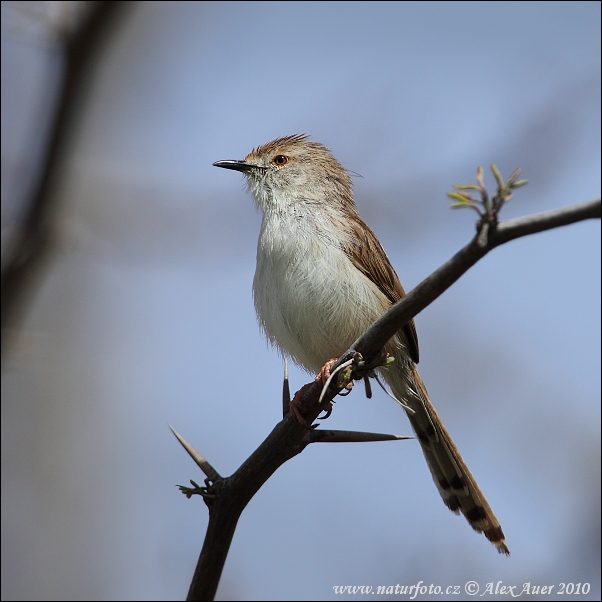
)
(329, 436)
(286, 392)
(200, 461)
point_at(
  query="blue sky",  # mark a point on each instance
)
(144, 315)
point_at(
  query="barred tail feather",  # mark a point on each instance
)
(455, 483)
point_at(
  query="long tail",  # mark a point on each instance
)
(454, 481)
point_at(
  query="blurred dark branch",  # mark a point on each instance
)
(227, 498)
(32, 239)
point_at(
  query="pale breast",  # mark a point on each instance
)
(311, 301)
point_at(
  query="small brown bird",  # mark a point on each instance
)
(322, 279)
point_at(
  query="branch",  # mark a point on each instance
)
(289, 437)
(375, 338)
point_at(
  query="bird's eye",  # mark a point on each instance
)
(280, 160)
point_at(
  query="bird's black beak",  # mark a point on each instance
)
(236, 165)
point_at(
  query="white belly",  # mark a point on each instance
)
(311, 301)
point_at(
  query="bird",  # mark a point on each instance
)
(322, 278)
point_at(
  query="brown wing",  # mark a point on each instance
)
(369, 257)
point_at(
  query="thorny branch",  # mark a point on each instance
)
(227, 498)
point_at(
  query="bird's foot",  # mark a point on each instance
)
(323, 378)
